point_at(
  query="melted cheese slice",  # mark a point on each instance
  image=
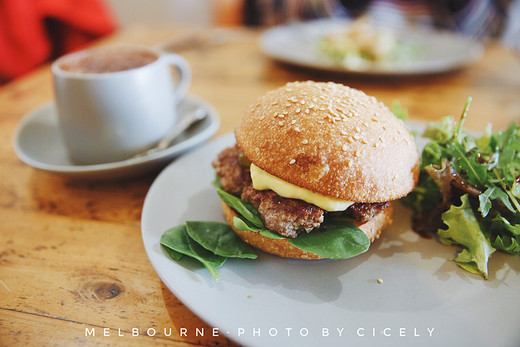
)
(263, 180)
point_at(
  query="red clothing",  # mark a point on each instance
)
(33, 32)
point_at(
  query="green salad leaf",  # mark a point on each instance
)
(212, 243)
(341, 240)
(243, 208)
(471, 186)
(242, 224)
(464, 229)
(220, 239)
(178, 242)
(399, 111)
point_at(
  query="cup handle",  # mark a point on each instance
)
(184, 70)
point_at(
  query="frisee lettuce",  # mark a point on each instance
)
(473, 185)
(464, 229)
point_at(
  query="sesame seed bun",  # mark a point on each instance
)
(283, 248)
(331, 139)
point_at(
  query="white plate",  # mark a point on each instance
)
(38, 143)
(441, 51)
(421, 289)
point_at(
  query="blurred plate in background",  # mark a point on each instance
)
(435, 51)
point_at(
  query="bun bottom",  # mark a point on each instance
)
(283, 248)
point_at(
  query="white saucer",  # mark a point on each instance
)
(38, 143)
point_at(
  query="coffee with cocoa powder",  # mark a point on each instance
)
(107, 60)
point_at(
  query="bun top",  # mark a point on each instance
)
(331, 139)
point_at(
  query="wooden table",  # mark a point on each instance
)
(71, 256)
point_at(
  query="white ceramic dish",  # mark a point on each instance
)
(254, 299)
(295, 44)
(38, 143)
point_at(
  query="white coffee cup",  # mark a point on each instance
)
(114, 102)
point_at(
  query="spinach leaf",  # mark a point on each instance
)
(243, 208)
(243, 225)
(341, 240)
(220, 239)
(177, 240)
(216, 183)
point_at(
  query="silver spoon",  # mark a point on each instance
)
(187, 121)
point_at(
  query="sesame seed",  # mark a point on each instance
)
(343, 132)
(274, 103)
(298, 110)
(280, 123)
(297, 129)
(307, 111)
(350, 139)
(262, 117)
(356, 154)
(344, 147)
(305, 141)
(357, 129)
(350, 163)
(292, 161)
(276, 114)
(375, 119)
(364, 141)
(356, 137)
(382, 140)
(302, 102)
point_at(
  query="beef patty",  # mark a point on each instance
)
(285, 216)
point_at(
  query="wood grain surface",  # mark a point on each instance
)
(72, 264)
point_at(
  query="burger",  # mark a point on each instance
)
(318, 165)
